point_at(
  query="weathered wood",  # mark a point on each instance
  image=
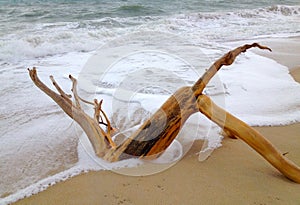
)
(95, 133)
(249, 135)
(157, 133)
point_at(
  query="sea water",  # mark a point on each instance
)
(38, 142)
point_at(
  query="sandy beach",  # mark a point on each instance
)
(233, 174)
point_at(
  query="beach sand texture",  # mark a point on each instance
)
(233, 174)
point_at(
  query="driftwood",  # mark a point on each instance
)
(157, 133)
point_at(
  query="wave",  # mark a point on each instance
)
(139, 10)
(132, 8)
(44, 39)
(48, 39)
(271, 11)
(284, 10)
(237, 25)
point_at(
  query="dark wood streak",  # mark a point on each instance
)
(152, 140)
(157, 133)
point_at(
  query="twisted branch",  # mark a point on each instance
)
(157, 133)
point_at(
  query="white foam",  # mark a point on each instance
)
(261, 92)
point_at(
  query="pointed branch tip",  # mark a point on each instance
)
(263, 47)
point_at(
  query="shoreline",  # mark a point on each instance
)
(283, 51)
(233, 174)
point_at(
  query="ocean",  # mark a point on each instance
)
(40, 145)
(31, 29)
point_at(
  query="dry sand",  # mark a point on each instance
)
(234, 174)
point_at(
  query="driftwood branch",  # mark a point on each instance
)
(157, 133)
(249, 135)
(95, 133)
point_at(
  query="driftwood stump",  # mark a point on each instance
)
(157, 133)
